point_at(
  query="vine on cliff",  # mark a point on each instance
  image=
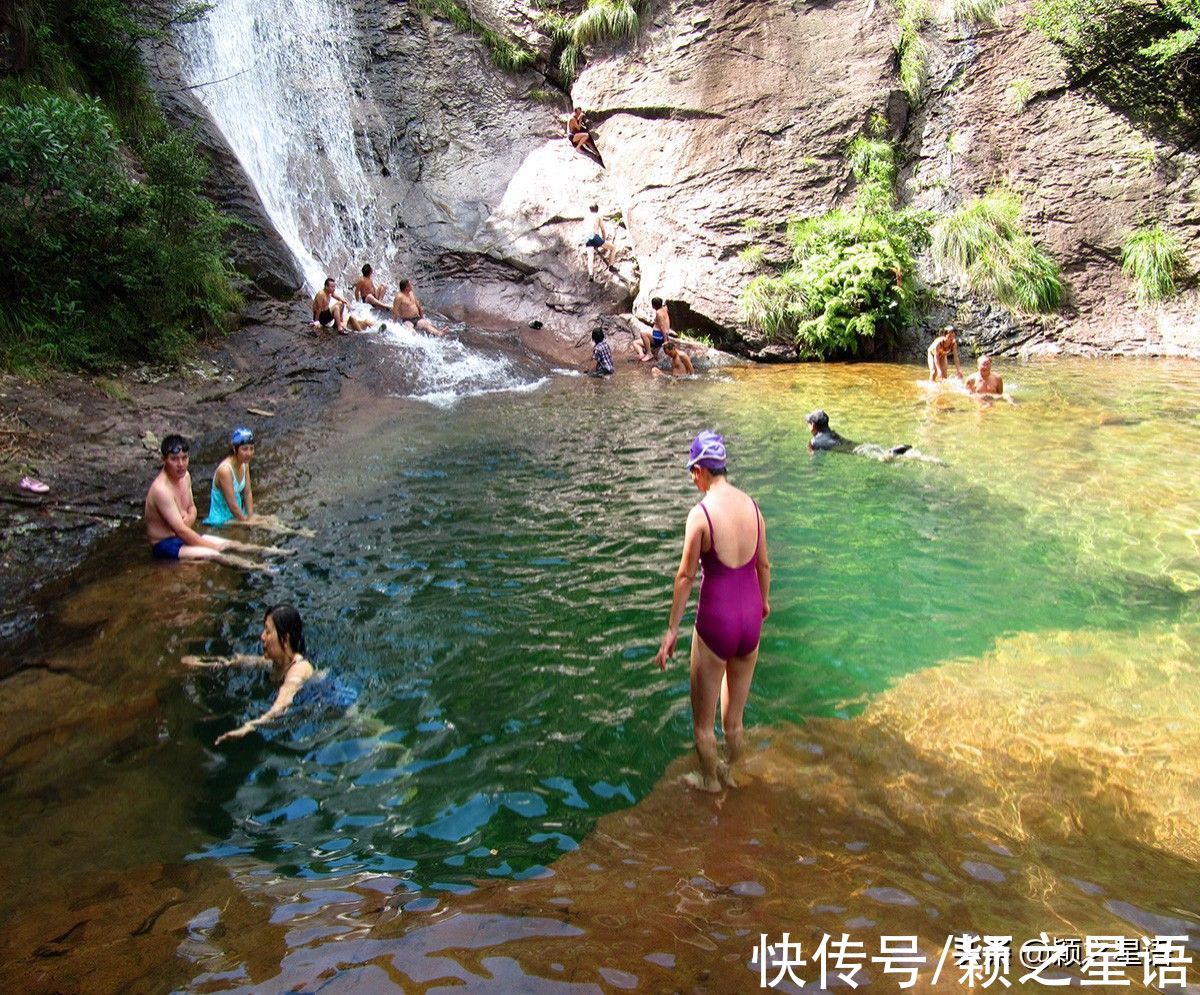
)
(852, 273)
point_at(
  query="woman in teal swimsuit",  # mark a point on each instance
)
(232, 497)
(725, 528)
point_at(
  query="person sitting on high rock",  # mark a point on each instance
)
(579, 132)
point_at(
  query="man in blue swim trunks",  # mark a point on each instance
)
(170, 516)
(649, 344)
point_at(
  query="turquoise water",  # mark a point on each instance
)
(494, 580)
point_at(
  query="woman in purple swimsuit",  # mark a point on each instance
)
(725, 527)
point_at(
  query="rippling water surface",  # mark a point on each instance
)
(493, 580)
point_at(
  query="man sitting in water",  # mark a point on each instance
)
(825, 439)
(407, 307)
(675, 363)
(170, 514)
(985, 383)
(329, 308)
(366, 289)
(944, 344)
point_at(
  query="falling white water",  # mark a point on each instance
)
(279, 79)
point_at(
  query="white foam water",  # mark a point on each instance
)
(446, 370)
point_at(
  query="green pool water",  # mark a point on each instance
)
(493, 580)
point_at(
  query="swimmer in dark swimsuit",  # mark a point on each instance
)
(725, 527)
(825, 439)
(283, 647)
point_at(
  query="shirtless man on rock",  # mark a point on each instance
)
(406, 307)
(366, 289)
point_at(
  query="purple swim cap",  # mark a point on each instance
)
(708, 451)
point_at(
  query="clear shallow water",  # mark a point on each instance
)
(494, 581)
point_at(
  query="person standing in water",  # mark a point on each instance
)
(725, 527)
(283, 651)
(944, 345)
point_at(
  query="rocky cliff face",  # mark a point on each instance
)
(721, 111)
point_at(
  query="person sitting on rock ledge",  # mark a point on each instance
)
(579, 132)
(367, 290)
(170, 513)
(406, 307)
(649, 343)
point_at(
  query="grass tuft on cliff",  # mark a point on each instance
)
(505, 53)
(111, 253)
(984, 245)
(600, 21)
(852, 274)
(1151, 257)
(978, 11)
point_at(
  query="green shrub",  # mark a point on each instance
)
(852, 273)
(505, 53)
(983, 244)
(604, 21)
(98, 268)
(1151, 257)
(1139, 57)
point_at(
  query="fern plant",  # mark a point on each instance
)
(852, 273)
(1151, 256)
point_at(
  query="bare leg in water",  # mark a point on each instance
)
(271, 523)
(707, 671)
(735, 689)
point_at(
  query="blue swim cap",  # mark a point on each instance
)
(241, 436)
(708, 451)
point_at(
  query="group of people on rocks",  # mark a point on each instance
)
(330, 308)
(656, 346)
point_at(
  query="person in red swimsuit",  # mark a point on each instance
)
(725, 528)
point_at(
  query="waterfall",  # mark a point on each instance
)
(280, 81)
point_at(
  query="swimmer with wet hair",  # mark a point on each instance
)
(822, 438)
(283, 647)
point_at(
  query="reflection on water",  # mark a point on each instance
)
(991, 662)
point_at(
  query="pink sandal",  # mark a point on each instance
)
(34, 486)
